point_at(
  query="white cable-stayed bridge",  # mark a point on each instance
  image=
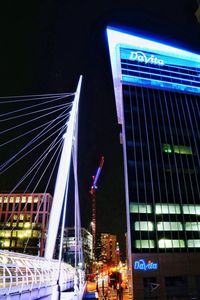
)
(39, 141)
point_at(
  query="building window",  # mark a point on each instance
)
(5, 199)
(140, 244)
(23, 199)
(27, 225)
(28, 206)
(167, 226)
(13, 244)
(149, 288)
(36, 233)
(182, 149)
(11, 200)
(166, 243)
(23, 205)
(7, 233)
(140, 208)
(192, 226)
(15, 217)
(193, 243)
(14, 233)
(144, 226)
(2, 233)
(28, 217)
(167, 209)
(27, 233)
(191, 209)
(30, 199)
(176, 287)
(2, 217)
(10, 206)
(35, 199)
(166, 148)
(21, 217)
(17, 199)
(6, 243)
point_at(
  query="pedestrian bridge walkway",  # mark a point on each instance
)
(30, 277)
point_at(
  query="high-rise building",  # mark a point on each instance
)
(70, 246)
(106, 248)
(157, 93)
(23, 222)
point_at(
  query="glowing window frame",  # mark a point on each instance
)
(144, 226)
(168, 243)
(141, 208)
(144, 244)
(169, 226)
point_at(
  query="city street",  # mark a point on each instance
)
(105, 293)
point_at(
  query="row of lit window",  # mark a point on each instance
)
(167, 243)
(16, 217)
(13, 243)
(167, 148)
(8, 243)
(19, 233)
(165, 208)
(18, 199)
(20, 224)
(167, 226)
(28, 206)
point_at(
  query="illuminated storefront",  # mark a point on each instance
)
(157, 93)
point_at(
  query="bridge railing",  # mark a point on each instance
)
(20, 272)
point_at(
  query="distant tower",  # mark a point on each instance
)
(107, 249)
(93, 195)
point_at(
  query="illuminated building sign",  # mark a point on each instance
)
(142, 57)
(144, 62)
(143, 266)
(156, 69)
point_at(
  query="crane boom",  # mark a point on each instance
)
(93, 193)
(96, 177)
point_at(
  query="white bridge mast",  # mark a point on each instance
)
(61, 187)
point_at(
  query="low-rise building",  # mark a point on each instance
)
(71, 246)
(23, 222)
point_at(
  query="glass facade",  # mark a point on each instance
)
(163, 175)
(157, 94)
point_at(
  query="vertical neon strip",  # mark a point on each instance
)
(62, 178)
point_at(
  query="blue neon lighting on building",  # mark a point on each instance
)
(125, 40)
(159, 71)
(160, 84)
(145, 266)
(153, 64)
(127, 53)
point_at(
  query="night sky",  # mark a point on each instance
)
(46, 45)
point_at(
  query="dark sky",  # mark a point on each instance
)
(46, 45)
